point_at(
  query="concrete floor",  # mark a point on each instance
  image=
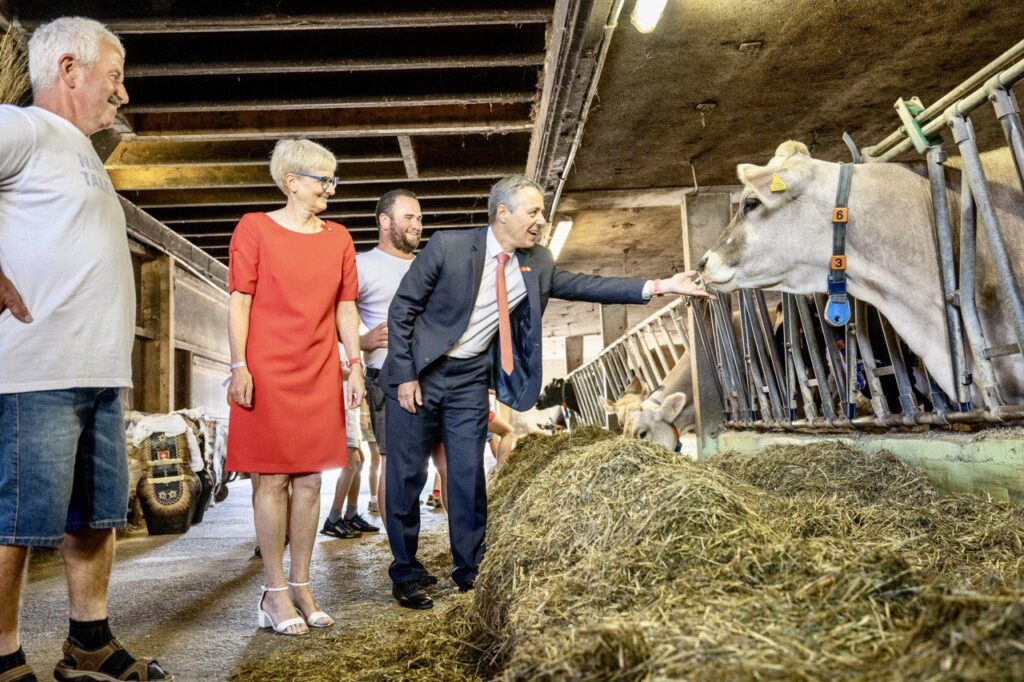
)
(189, 601)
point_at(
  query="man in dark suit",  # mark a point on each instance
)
(466, 317)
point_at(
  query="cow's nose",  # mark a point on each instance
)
(702, 263)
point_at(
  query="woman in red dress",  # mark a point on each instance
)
(293, 287)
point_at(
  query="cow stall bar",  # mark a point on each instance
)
(647, 351)
(862, 375)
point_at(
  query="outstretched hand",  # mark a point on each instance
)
(682, 283)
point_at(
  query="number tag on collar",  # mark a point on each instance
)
(777, 184)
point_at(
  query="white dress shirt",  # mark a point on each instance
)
(483, 322)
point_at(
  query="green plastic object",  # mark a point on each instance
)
(908, 111)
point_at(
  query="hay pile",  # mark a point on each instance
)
(612, 559)
(14, 82)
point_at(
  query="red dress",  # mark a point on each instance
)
(297, 420)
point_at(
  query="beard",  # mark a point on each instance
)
(404, 242)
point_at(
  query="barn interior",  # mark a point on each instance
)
(634, 136)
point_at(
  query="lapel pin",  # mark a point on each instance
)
(525, 268)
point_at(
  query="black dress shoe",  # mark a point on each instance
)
(357, 522)
(468, 586)
(411, 596)
(339, 529)
(426, 579)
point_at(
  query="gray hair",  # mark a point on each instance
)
(76, 36)
(295, 156)
(504, 191)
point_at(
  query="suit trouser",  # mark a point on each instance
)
(454, 411)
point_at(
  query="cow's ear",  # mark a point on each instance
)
(782, 178)
(636, 387)
(672, 407)
(609, 406)
(791, 148)
(759, 180)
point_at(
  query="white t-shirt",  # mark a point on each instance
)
(379, 276)
(64, 247)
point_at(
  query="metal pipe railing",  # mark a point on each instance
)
(963, 135)
(947, 273)
(639, 352)
(931, 118)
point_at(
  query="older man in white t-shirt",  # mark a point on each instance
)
(67, 321)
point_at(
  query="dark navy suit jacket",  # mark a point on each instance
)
(431, 310)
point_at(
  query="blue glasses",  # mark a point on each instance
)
(325, 181)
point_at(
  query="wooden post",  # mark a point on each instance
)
(613, 325)
(156, 385)
(573, 352)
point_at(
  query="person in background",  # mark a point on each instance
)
(293, 283)
(67, 323)
(381, 269)
(344, 521)
(371, 445)
(500, 430)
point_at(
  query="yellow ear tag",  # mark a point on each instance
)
(777, 184)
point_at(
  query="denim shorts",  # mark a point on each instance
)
(63, 464)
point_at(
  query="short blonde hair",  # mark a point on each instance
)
(298, 156)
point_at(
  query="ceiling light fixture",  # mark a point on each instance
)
(562, 231)
(646, 14)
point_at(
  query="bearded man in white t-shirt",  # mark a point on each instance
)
(400, 226)
(67, 321)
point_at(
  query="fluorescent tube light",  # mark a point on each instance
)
(562, 231)
(646, 14)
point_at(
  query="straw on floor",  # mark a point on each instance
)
(613, 559)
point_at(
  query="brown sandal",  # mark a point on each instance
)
(82, 664)
(23, 673)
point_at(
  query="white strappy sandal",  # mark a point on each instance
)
(315, 619)
(265, 621)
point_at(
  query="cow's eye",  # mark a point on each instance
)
(750, 203)
(642, 435)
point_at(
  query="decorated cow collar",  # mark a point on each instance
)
(837, 311)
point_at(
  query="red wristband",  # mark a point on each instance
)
(353, 361)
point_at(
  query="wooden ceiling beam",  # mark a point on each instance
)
(179, 177)
(429, 100)
(218, 239)
(181, 223)
(360, 194)
(490, 127)
(132, 151)
(149, 125)
(383, 159)
(408, 156)
(319, 66)
(353, 21)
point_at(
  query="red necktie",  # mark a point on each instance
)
(504, 325)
